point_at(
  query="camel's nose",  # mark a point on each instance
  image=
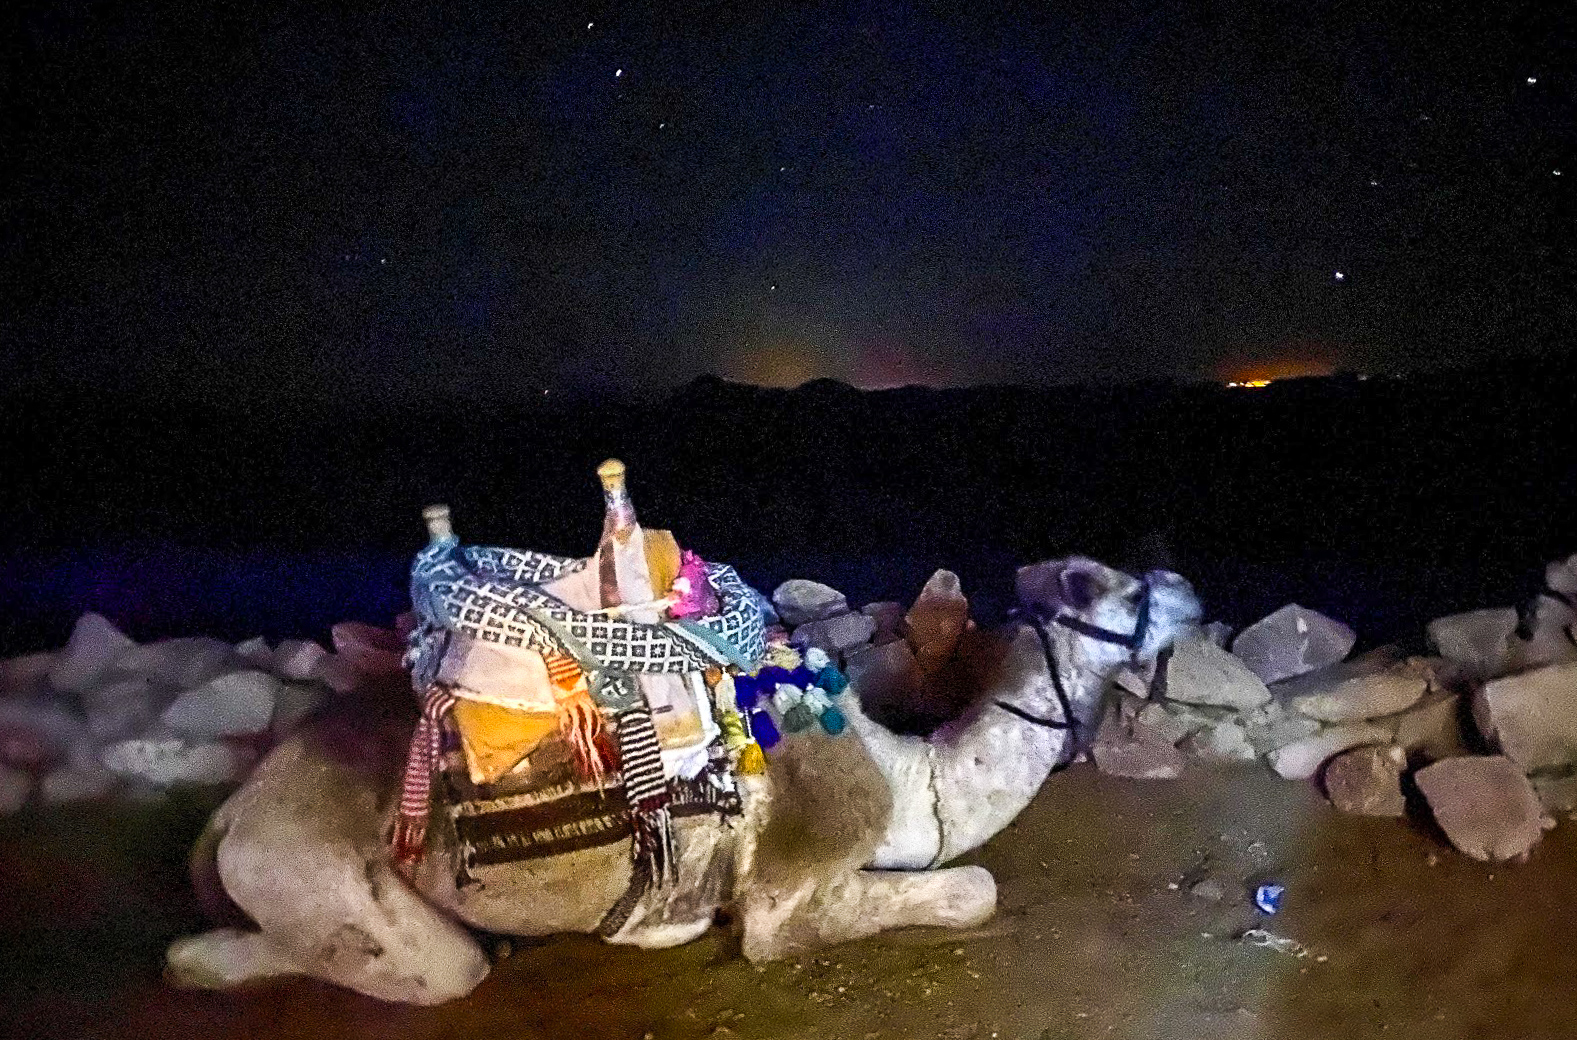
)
(1177, 590)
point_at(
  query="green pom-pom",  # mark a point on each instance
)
(798, 718)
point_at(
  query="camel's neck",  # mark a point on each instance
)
(989, 764)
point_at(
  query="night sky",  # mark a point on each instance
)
(445, 200)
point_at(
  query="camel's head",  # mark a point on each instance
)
(1095, 599)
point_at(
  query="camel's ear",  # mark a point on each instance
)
(1080, 587)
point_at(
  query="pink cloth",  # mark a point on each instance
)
(410, 829)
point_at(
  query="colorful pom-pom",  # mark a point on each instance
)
(832, 721)
(832, 680)
(798, 718)
(751, 761)
(764, 729)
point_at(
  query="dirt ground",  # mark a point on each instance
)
(1099, 935)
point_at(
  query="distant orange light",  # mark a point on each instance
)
(1250, 384)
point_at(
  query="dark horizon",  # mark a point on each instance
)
(402, 205)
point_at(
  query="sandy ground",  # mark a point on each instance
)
(1098, 935)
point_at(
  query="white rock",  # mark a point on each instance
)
(94, 647)
(1485, 805)
(1301, 759)
(1367, 780)
(256, 652)
(234, 704)
(1532, 716)
(26, 675)
(122, 707)
(1478, 640)
(1219, 633)
(1199, 672)
(1172, 722)
(1225, 741)
(1353, 691)
(15, 786)
(37, 733)
(799, 600)
(183, 663)
(1273, 726)
(299, 659)
(1132, 749)
(1292, 641)
(168, 761)
(837, 634)
(77, 784)
(1556, 793)
(1432, 728)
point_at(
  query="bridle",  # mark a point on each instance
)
(1037, 620)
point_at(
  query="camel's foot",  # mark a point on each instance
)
(863, 903)
(226, 957)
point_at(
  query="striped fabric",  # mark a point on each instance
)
(410, 829)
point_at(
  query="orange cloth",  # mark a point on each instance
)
(495, 738)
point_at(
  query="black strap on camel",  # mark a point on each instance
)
(1131, 641)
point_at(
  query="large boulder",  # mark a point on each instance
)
(1224, 741)
(1432, 728)
(122, 707)
(15, 787)
(300, 660)
(884, 676)
(27, 675)
(888, 615)
(37, 734)
(94, 647)
(1556, 793)
(799, 600)
(1302, 759)
(1485, 805)
(1128, 747)
(1272, 726)
(1532, 716)
(1367, 781)
(837, 634)
(181, 663)
(1478, 640)
(235, 704)
(1172, 722)
(937, 620)
(1292, 641)
(1352, 691)
(1199, 672)
(171, 761)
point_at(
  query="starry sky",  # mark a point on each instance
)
(447, 200)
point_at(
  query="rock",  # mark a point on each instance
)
(1129, 748)
(37, 734)
(169, 761)
(77, 784)
(94, 647)
(837, 634)
(1532, 716)
(293, 705)
(1130, 681)
(1218, 632)
(1210, 890)
(369, 649)
(27, 675)
(235, 704)
(1432, 728)
(1172, 722)
(937, 620)
(1301, 759)
(298, 659)
(799, 601)
(1556, 793)
(122, 707)
(1199, 672)
(1478, 640)
(1485, 804)
(1353, 691)
(1367, 781)
(1225, 741)
(1272, 726)
(256, 652)
(15, 787)
(888, 616)
(181, 664)
(339, 675)
(1292, 641)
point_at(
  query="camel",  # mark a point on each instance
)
(841, 838)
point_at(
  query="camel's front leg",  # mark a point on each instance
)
(863, 902)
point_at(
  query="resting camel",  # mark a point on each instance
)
(841, 838)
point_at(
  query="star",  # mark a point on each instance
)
(1341, 276)
(1555, 172)
(617, 73)
(1532, 80)
(589, 25)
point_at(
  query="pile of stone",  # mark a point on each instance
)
(905, 662)
(108, 717)
(1485, 729)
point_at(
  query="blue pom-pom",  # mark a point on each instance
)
(764, 729)
(832, 721)
(832, 680)
(769, 677)
(801, 677)
(746, 689)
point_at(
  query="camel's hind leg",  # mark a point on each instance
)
(301, 853)
(861, 903)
